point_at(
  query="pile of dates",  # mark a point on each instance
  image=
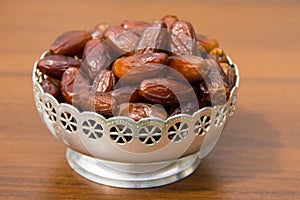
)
(138, 69)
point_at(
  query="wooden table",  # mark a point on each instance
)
(257, 157)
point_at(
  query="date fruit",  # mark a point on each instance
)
(73, 83)
(139, 66)
(183, 39)
(126, 94)
(229, 71)
(170, 20)
(134, 24)
(165, 91)
(51, 86)
(215, 87)
(193, 68)
(137, 111)
(219, 55)
(98, 30)
(55, 65)
(100, 102)
(120, 40)
(104, 82)
(154, 39)
(97, 57)
(207, 42)
(70, 43)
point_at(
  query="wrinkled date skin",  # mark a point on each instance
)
(154, 39)
(126, 94)
(137, 27)
(170, 20)
(165, 91)
(137, 111)
(97, 57)
(182, 39)
(73, 84)
(193, 68)
(55, 65)
(219, 55)
(98, 30)
(100, 102)
(120, 40)
(207, 42)
(104, 82)
(215, 88)
(229, 71)
(51, 86)
(70, 43)
(139, 66)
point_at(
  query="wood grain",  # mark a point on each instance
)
(257, 157)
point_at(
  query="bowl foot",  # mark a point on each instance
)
(132, 175)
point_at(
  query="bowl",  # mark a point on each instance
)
(121, 152)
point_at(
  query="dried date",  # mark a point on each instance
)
(154, 39)
(51, 86)
(104, 82)
(207, 42)
(55, 65)
(165, 91)
(193, 68)
(98, 30)
(126, 94)
(170, 20)
(70, 43)
(137, 111)
(73, 84)
(139, 66)
(183, 39)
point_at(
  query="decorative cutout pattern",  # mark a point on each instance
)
(220, 116)
(121, 134)
(150, 135)
(201, 126)
(232, 106)
(68, 121)
(50, 111)
(178, 131)
(92, 129)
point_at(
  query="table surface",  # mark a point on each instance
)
(257, 157)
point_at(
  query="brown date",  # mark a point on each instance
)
(73, 84)
(55, 65)
(104, 82)
(207, 42)
(165, 91)
(126, 94)
(100, 102)
(230, 73)
(70, 43)
(182, 39)
(137, 111)
(51, 86)
(193, 68)
(137, 26)
(120, 40)
(154, 39)
(98, 30)
(215, 87)
(97, 57)
(170, 20)
(219, 55)
(139, 66)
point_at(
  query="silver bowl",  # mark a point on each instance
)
(124, 153)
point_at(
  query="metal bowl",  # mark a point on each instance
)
(124, 153)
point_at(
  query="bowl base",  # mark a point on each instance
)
(132, 175)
